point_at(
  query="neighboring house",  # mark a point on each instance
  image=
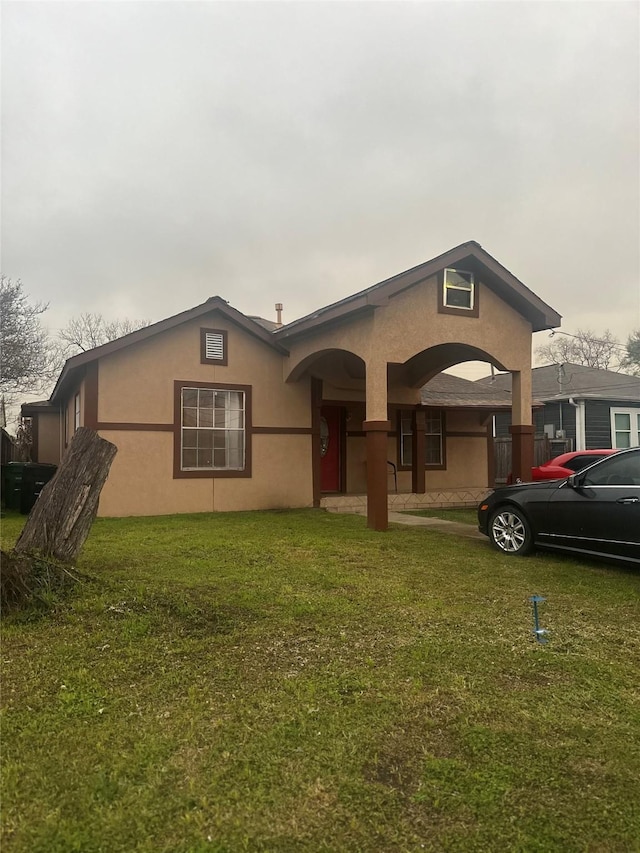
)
(7, 447)
(212, 410)
(587, 407)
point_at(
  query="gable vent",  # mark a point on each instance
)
(214, 346)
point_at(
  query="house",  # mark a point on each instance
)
(585, 408)
(7, 447)
(214, 410)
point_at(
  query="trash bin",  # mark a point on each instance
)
(12, 484)
(35, 475)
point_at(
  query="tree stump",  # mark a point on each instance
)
(62, 516)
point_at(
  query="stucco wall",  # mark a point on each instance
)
(48, 437)
(465, 455)
(410, 323)
(136, 386)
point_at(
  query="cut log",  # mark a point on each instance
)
(61, 519)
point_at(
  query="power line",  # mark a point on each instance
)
(611, 343)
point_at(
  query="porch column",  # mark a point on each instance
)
(522, 425)
(418, 452)
(376, 428)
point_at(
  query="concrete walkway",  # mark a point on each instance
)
(468, 531)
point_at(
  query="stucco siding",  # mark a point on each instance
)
(281, 476)
(136, 384)
(410, 323)
(48, 426)
(141, 479)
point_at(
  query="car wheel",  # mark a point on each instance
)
(510, 531)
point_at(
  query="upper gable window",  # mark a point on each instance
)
(213, 346)
(458, 289)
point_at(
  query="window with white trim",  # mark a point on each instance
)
(76, 412)
(458, 289)
(625, 428)
(213, 434)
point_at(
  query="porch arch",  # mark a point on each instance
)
(423, 366)
(330, 363)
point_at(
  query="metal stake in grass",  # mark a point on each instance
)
(537, 630)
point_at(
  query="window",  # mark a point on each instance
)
(625, 428)
(617, 470)
(434, 439)
(76, 412)
(406, 435)
(212, 429)
(458, 289)
(580, 462)
(213, 346)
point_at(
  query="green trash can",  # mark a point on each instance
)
(12, 484)
(35, 475)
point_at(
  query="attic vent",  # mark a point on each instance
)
(213, 346)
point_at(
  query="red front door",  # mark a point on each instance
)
(330, 448)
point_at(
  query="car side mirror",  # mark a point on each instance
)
(573, 481)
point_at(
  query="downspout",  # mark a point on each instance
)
(581, 432)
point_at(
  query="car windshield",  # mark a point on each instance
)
(577, 463)
(618, 470)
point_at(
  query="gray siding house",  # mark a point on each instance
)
(587, 407)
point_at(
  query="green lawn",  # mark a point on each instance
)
(291, 681)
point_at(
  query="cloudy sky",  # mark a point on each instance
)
(155, 154)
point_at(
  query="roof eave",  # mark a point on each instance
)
(540, 315)
(214, 303)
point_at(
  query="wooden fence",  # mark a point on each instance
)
(544, 449)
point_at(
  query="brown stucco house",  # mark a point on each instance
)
(212, 410)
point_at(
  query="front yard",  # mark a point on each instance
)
(291, 681)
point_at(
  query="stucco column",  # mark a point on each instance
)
(521, 425)
(377, 485)
(376, 428)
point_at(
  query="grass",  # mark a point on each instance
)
(291, 681)
(465, 515)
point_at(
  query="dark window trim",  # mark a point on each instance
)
(459, 312)
(443, 420)
(209, 474)
(443, 434)
(400, 410)
(203, 347)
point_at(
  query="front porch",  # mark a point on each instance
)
(400, 502)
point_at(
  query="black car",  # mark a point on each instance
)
(595, 512)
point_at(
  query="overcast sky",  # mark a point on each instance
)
(156, 154)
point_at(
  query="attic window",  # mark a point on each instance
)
(213, 346)
(458, 289)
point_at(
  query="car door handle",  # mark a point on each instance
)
(628, 500)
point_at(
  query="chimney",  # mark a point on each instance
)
(279, 314)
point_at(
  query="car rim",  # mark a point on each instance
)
(509, 532)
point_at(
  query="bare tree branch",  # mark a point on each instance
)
(87, 331)
(585, 347)
(631, 361)
(25, 346)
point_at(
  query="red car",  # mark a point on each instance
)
(566, 464)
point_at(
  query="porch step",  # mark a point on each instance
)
(399, 502)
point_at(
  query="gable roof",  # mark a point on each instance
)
(469, 255)
(561, 381)
(448, 391)
(215, 303)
